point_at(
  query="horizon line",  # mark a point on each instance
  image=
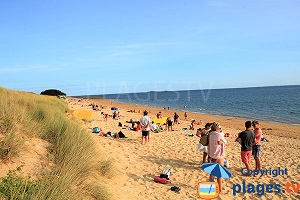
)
(94, 95)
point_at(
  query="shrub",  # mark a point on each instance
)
(15, 187)
(53, 92)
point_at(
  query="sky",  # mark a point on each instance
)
(92, 47)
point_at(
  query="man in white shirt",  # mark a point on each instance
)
(154, 127)
(145, 124)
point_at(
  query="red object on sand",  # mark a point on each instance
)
(161, 180)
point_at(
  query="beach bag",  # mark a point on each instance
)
(121, 135)
(96, 130)
(204, 140)
(161, 180)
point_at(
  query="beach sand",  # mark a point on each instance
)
(136, 165)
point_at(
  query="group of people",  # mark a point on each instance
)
(215, 150)
(251, 144)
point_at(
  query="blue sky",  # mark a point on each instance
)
(113, 46)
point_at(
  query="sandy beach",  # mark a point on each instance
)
(136, 165)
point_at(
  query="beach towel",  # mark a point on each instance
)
(83, 114)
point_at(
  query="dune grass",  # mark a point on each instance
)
(78, 166)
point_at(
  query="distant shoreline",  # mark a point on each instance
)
(276, 104)
(189, 111)
(234, 124)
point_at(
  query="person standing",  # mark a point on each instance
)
(169, 124)
(145, 124)
(176, 117)
(256, 147)
(216, 148)
(204, 133)
(246, 139)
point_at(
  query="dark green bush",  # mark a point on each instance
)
(14, 187)
(53, 92)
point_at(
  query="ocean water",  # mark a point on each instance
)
(275, 104)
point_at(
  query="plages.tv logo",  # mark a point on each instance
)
(261, 189)
(211, 190)
(208, 190)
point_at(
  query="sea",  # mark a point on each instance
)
(273, 104)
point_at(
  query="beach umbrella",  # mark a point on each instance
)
(217, 170)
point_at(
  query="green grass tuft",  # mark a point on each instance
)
(14, 187)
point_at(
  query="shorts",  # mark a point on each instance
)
(205, 149)
(145, 133)
(256, 151)
(246, 155)
(170, 123)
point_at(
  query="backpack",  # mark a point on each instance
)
(204, 140)
(96, 130)
(121, 135)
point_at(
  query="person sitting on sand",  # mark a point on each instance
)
(138, 127)
(154, 127)
(246, 139)
(130, 121)
(216, 148)
(159, 115)
(101, 133)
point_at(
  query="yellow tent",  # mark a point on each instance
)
(83, 114)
